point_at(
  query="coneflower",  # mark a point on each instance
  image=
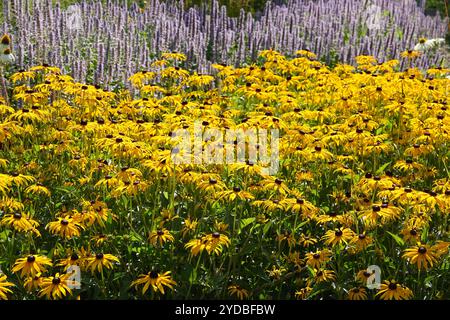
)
(5, 42)
(7, 57)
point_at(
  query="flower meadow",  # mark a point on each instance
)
(88, 180)
(105, 42)
(157, 152)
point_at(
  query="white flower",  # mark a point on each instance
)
(7, 57)
(425, 44)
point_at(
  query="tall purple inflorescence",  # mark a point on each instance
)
(112, 40)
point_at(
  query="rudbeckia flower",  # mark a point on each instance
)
(156, 280)
(100, 261)
(238, 291)
(422, 255)
(65, 227)
(4, 287)
(390, 290)
(160, 237)
(358, 293)
(31, 265)
(56, 287)
(338, 236)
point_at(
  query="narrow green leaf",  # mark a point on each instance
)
(397, 238)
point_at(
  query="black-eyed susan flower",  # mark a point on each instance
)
(4, 287)
(156, 280)
(410, 54)
(303, 293)
(358, 293)
(422, 255)
(238, 291)
(216, 241)
(361, 241)
(323, 275)
(65, 227)
(56, 287)
(38, 189)
(189, 225)
(338, 236)
(72, 260)
(318, 258)
(31, 265)
(100, 261)
(197, 246)
(391, 290)
(235, 193)
(32, 284)
(21, 222)
(160, 237)
(276, 272)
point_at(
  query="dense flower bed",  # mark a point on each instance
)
(88, 180)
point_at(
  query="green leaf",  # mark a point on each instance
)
(384, 166)
(246, 222)
(301, 225)
(424, 235)
(397, 238)
(267, 227)
(193, 276)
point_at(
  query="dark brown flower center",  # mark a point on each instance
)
(31, 259)
(392, 286)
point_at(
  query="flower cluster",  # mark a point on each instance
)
(88, 180)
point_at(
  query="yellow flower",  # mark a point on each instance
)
(239, 292)
(410, 54)
(189, 225)
(392, 290)
(160, 236)
(31, 265)
(422, 255)
(38, 189)
(276, 273)
(100, 261)
(33, 283)
(156, 280)
(4, 290)
(65, 227)
(20, 222)
(338, 236)
(318, 258)
(358, 293)
(56, 287)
